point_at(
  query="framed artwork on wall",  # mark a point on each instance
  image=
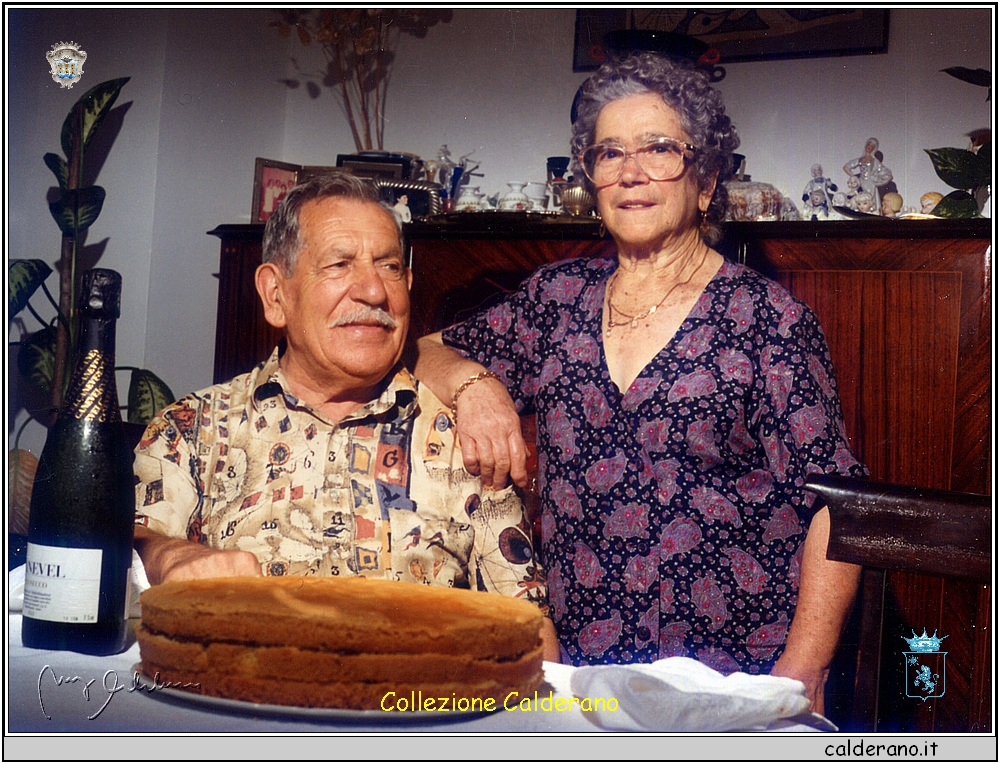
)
(271, 181)
(741, 34)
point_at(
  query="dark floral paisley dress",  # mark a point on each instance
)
(673, 515)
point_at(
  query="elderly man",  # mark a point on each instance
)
(329, 458)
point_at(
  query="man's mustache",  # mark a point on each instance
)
(365, 315)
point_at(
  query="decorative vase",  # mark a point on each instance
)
(515, 200)
(576, 200)
(538, 195)
(469, 199)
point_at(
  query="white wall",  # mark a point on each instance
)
(500, 83)
(118, 44)
(206, 99)
(222, 106)
(791, 114)
(204, 102)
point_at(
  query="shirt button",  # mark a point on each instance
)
(643, 547)
(643, 633)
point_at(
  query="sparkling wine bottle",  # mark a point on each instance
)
(79, 555)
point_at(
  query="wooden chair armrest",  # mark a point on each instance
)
(896, 527)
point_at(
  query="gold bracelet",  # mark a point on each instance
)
(467, 384)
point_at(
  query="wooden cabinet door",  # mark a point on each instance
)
(454, 278)
(907, 321)
(242, 337)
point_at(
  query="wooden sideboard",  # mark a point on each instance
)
(906, 309)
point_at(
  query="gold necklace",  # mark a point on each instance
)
(631, 320)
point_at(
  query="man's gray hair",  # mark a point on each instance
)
(282, 235)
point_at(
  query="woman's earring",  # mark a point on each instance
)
(704, 227)
(601, 231)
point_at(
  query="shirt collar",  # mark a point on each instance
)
(398, 398)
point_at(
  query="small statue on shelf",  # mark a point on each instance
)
(818, 195)
(865, 202)
(869, 170)
(816, 206)
(846, 197)
(929, 201)
(892, 204)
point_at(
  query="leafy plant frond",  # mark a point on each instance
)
(76, 209)
(147, 395)
(95, 104)
(957, 204)
(59, 168)
(960, 168)
(980, 77)
(36, 358)
(24, 277)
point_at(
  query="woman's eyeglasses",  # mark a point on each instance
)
(661, 159)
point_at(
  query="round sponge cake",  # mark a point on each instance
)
(333, 642)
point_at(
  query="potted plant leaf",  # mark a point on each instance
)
(44, 356)
(966, 170)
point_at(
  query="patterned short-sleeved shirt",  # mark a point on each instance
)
(382, 493)
(673, 515)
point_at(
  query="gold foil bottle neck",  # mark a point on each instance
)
(92, 395)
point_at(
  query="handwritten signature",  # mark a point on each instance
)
(109, 684)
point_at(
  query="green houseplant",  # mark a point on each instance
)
(44, 356)
(966, 170)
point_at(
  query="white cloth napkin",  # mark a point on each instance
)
(139, 584)
(683, 695)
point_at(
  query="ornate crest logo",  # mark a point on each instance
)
(66, 61)
(925, 666)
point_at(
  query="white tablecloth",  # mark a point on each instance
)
(53, 691)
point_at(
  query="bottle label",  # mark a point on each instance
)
(62, 585)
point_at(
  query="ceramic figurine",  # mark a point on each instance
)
(892, 204)
(852, 190)
(865, 202)
(929, 201)
(869, 170)
(445, 166)
(818, 195)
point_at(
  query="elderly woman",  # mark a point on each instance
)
(682, 400)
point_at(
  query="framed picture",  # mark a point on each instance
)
(420, 197)
(741, 34)
(311, 171)
(376, 166)
(271, 181)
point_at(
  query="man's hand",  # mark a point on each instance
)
(489, 428)
(171, 559)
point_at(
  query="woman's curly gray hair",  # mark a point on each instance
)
(686, 89)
